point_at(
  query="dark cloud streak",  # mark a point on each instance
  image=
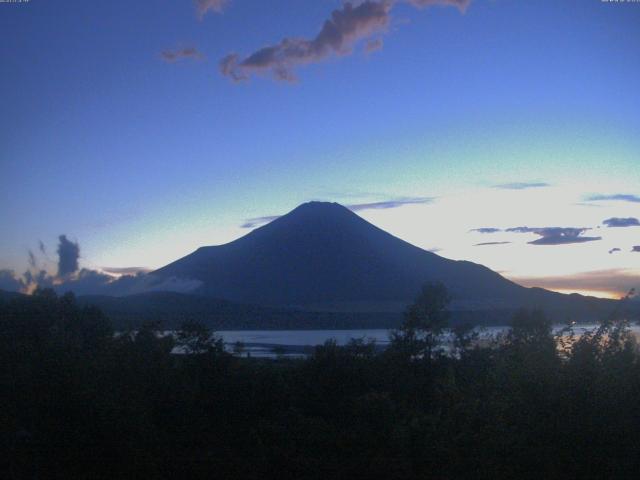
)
(555, 235)
(620, 197)
(486, 230)
(357, 207)
(621, 222)
(32, 260)
(521, 185)
(190, 53)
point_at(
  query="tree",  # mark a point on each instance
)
(197, 338)
(424, 322)
(465, 337)
(531, 328)
(239, 348)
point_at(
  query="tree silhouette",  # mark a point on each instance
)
(424, 322)
(197, 338)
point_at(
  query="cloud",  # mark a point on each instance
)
(460, 4)
(32, 259)
(636, 248)
(586, 204)
(521, 185)
(614, 250)
(490, 243)
(9, 282)
(113, 281)
(486, 230)
(616, 281)
(621, 222)
(373, 45)
(33, 279)
(355, 207)
(68, 254)
(205, 6)
(621, 197)
(556, 235)
(92, 282)
(255, 222)
(180, 54)
(125, 270)
(563, 240)
(338, 36)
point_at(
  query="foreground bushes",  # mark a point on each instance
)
(78, 402)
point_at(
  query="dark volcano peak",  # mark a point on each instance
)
(316, 214)
(323, 253)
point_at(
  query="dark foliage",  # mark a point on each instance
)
(81, 402)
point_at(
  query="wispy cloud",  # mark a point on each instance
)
(555, 235)
(618, 281)
(190, 53)
(486, 230)
(618, 197)
(587, 204)
(205, 6)
(490, 243)
(354, 207)
(125, 270)
(521, 185)
(373, 45)
(386, 204)
(257, 221)
(621, 222)
(346, 27)
(32, 259)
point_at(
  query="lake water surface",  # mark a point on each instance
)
(271, 343)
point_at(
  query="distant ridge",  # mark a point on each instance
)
(322, 256)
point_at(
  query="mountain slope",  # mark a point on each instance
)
(323, 256)
(172, 308)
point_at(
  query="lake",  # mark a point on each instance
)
(296, 343)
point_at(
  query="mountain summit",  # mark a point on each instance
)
(322, 255)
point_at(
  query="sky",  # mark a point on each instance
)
(502, 132)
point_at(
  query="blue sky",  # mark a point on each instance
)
(142, 160)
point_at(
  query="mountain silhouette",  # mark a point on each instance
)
(322, 256)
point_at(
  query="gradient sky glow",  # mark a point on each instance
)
(143, 156)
